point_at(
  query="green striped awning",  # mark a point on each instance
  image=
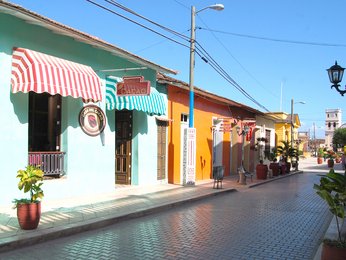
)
(154, 104)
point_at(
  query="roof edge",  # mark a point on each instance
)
(25, 14)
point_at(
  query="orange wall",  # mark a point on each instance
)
(205, 110)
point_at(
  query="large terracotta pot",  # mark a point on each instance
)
(319, 160)
(29, 215)
(330, 163)
(288, 167)
(261, 171)
(275, 168)
(331, 252)
(283, 169)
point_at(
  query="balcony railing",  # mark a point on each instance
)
(51, 163)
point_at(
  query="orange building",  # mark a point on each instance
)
(217, 140)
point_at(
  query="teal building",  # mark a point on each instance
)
(60, 109)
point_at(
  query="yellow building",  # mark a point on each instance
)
(283, 126)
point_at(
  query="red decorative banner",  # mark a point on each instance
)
(249, 133)
(133, 86)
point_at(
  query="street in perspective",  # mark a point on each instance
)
(133, 132)
(281, 219)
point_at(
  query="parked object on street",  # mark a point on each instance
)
(29, 209)
(332, 189)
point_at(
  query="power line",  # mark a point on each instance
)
(226, 76)
(277, 40)
(237, 61)
(146, 19)
(137, 23)
(211, 61)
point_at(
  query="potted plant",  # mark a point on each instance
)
(261, 170)
(320, 156)
(338, 158)
(330, 156)
(29, 209)
(332, 189)
(287, 151)
(274, 165)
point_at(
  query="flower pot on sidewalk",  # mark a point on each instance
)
(330, 163)
(275, 168)
(261, 171)
(332, 252)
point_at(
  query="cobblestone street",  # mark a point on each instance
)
(284, 219)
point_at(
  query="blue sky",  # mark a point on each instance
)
(272, 71)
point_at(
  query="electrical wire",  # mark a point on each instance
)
(277, 40)
(199, 49)
(237, 61)
(137, 23)
(146, 19)
(225, 75)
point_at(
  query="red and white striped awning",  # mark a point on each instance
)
(38, 72)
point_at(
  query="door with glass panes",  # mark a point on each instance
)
(123, 148)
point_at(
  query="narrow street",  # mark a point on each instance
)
(283, 219)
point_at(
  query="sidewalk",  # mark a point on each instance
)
(67, 217)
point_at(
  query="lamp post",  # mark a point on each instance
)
(335, 74)
(218, 7)
(241, 170)
(292, 121)
(189, 154)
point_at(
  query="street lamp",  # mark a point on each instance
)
(292, 122)
(241, 171)
(189, 155)
(335, 74)
(217, 7)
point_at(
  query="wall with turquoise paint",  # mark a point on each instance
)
(89, 160)
(144, 148)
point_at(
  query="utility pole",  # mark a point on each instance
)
(315, 139)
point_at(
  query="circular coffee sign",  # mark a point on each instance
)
(92, 120)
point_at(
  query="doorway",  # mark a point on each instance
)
(123, 147)
(161, 148)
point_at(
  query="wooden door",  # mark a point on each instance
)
(123, 147)
(161, 149)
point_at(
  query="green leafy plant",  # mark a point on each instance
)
(30, 180)
(331, 155)
(287, 151)
(320, 153)
(332, 189)
(272, 155)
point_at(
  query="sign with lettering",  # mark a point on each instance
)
(189, 156)
(92, 120)
(133, 86)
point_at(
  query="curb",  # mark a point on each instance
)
(32, 238)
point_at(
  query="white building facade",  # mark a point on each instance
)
(333, 122)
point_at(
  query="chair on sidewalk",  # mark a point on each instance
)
(218, 173)
(248, 175)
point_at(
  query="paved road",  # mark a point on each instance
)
(283, 219)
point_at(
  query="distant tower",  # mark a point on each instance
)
(333, 121)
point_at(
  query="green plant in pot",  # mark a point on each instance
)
(29, 209)
(274, 165)
(320, 156)
(331, 156)
(287, 152)
(332, 189)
